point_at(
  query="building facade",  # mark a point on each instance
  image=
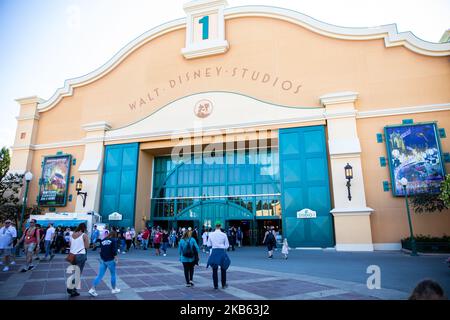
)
(249, 115)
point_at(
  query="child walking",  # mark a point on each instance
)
(285, 248)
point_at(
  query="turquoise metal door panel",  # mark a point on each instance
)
(305, 184)
(119, 182)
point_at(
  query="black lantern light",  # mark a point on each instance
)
(79, 187)
(349, 176)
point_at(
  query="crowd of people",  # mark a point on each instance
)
(75, 243)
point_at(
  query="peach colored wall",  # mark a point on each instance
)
(77, 153)
(389, 221)
(384, 77)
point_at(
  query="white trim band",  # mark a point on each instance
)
(388, 246)
(354, 247)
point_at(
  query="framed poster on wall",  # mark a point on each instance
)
(414, 153)
(55, 179)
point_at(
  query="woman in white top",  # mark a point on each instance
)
(205, 240)
(79, 242)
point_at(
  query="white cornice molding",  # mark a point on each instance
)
(28, 100)
(34, 117)
(403, 110)
(206, 48)
(324, 116)
(362, 211)
(338, 97)
(339, 114)
(199, 5)
(387, 32)
(96, 126)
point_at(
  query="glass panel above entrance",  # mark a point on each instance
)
(242, 184)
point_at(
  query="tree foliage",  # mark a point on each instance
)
(426, 201)
(10, 188)
(445, 191)
(5, 160)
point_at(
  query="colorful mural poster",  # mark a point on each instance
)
(414, 153)
(55, 176)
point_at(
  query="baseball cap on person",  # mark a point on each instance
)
(218, 223)
(8, 221)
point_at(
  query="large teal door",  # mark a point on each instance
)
(119, 182)
(305, 184)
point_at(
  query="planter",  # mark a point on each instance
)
(428, 247)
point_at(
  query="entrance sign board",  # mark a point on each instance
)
(306, 214)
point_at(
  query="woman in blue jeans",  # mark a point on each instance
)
(108, 255)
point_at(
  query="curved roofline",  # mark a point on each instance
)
(387, 32)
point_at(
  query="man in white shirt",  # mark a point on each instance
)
(218, 241)
(49, 236)
(7, 236)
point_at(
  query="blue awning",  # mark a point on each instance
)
(60, 223)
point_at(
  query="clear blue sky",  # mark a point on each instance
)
(44, 42)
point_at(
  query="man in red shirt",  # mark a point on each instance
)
(31, 238)
(145, 237)
(157, 241)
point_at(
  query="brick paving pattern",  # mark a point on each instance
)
(153, 279)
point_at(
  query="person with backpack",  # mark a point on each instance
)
(31, 239)
(188, 250)
(270, 241)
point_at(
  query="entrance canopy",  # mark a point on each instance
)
(61, 223)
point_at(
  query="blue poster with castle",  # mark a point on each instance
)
(414, 153)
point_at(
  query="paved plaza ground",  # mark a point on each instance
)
(307, 274)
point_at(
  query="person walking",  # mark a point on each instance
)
(239, 237)
(59, 241)
(218, 241)
(133, 237)
(231, 238)
(128, 239)
(145, 237)
(165, 242)
(49, 240)
(31, 239)
(122, 242)
(94, 237)
(204, 240)
(285, 248)
(270, 241)
(79, 243)
(108, 260)
(157, 241)
(7, 236)
(188, 250)
(173, 238)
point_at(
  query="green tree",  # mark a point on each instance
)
(431, 201)
(5, 160)
(445, 191)
(10, 187)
